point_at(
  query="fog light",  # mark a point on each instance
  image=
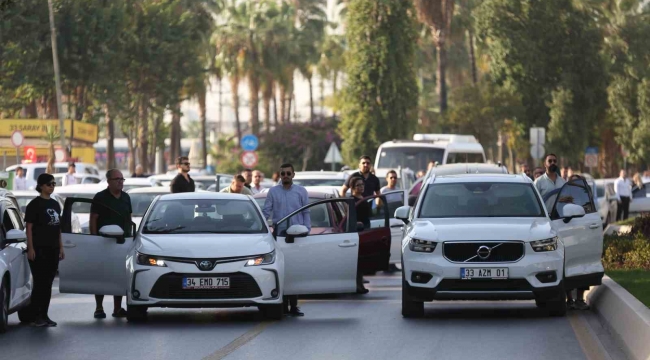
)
(274, 293)
(136, 294)
(420, 278)
(547, 277)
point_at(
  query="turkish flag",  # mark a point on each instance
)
(30, 154)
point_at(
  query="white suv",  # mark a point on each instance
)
(490, 236)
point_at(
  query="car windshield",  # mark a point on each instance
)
(195, 216)
(319, 182)
(141, 201)
(480, 199)
(80, 207)
(414, 158)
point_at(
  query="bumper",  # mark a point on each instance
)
(535, 276)
(161, 286)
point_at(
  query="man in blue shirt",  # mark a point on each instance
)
(282, 200)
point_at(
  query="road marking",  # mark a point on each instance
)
(238, 342)
(588, 340)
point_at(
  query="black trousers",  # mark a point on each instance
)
(290, 300)
(44, 268)
(623, 208)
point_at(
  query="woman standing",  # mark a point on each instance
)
(44, 247)
(638, 183)
(364, 211)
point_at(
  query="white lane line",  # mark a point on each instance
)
(238, 342)
(587, 338)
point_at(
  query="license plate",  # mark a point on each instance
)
(483, 273)
(206, 283)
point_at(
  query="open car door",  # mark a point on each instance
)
(94, 264)
(394, 200)
(581, 232)
(320, 263)
(375, 242)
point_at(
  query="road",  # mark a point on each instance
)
(336, 327)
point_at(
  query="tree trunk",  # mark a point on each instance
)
(31, 110)
(311, 100)
(441, 84)
(80, 105)
(321, 86)
(143, 133)
(234, 85)
(203, 119)
(132, 150)
(51, 110)
(175, 135)
(472, 56)
(267, 93)
(275, 106)
(110, 138)
(157, 123)
(283, 104)
(335, 79)
(289, 102)
(254, 89)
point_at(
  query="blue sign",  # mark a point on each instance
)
(249, 143)
(591, 150)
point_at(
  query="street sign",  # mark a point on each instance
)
(333, 155)
(59, 155)
(249, 143)
(30, 154)
(248, 159)
(537, 151)
(17, 138)
(591, 157)
(537, 136)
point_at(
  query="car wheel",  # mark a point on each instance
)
(410, 308)
(4, 307)
(135, 313)
(272, 312)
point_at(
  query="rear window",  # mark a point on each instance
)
(464, 158)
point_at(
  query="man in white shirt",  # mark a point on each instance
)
(20, 183)
(623, 190)
(257, 187)
(391, 181)
(69, 178)
(550, 180)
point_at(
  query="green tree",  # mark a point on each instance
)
(381, 95)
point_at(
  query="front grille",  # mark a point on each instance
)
(467, 251)
(484, 285)
(170, 286)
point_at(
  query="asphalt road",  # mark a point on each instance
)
(337, 327)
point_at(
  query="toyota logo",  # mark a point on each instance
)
(205, 265)
(483, 252)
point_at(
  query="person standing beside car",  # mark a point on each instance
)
(391, 182)
(69, 178)
(624, 195)
(20, 183)
(371, 182)
(44, 247)
(364, 212)
(182, 182)
(111, 206)
(550, 180)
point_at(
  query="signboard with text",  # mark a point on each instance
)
(39, 128)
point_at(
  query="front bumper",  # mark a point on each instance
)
(161, 286)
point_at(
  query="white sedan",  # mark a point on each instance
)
(210, 250)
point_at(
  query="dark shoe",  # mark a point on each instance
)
(40, 323)
(50, 322)
(120, 314)
(571, 304)
(295, 311)
(362, 291)
(100, 314)
(581, 305)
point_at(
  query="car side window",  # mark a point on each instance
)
(7, 224)
(394, 201)
(575, 192)
(320, 217)
(16, 219)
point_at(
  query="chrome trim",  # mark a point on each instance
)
(523, 253)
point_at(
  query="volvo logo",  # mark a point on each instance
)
(205, 265)
(483, 252)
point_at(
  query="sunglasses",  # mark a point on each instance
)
(185, 163)
(360, 185)
(365, 163)
(285, 173)
(550, 161)
(53, 184)
(392, 178)
(117, 179)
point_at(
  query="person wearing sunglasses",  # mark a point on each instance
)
(44, 247)
(182, 182)
(371, 182)
(391, 181)
(550, 180)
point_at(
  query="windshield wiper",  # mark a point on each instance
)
(163, 231)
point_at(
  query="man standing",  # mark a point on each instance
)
(182, 182)
(370, 181)
(623, 193)
(549, 180)
(525, 169)
(391, 180)
(282, 200)
(237, 186)
(111, 207)
(248, 175)
(257, 182)
(139, 172)
(69, 178)
(20, 183)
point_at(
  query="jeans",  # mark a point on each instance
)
(44, 268)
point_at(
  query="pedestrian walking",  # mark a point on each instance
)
(237, 186)
(44, 247)
(257, 182)
(549, 180)
(579, 302)
(364, 212)
(20, 183)
(525, 169)
(248, 175)
(111, 206)
(139, 172)
(282, 200)
(391, 182)
(182, 182)
(623, 190)
(371, 182)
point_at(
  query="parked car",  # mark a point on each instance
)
(131, 183)
(32, 171)
(81, 210)
(607, 201)
(320, 178)
(81, 179)
(24, 197)
(457, 169)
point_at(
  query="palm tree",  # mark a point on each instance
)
(437, 14)
(51, 136)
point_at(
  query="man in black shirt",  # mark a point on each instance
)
(182, 182)
(111, 207)
(371, 182)
(248, 176)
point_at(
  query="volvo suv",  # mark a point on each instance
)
(492, 237)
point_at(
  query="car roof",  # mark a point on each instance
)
(460, 178)
(311, 194)
(22, 193)
(150, 189)
(203, 195)
(467, 168)
(413, 143)
(80, 188)
(44, 164)
(320, 175)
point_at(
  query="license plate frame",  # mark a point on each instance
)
(205, 283)
(491, 273)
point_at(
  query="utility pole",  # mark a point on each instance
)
(57, 76)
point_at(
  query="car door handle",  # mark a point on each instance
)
(69, 244)
(595, 226)
(347, 244)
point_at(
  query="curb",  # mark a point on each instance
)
(627, 318)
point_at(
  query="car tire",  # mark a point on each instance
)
(4, 307)
(272, 312)
(410, 308)
(136, 313)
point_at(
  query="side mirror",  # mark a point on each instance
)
(402, 213)
(412, 200)
(295, 231)
(112, 231)
(15, 236)
(572, 211)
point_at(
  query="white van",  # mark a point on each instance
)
(32, 171)
(417, 153)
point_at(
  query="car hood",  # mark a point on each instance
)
(523, 229)
(205, 245)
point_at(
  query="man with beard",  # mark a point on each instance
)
(370, 181)
(182, 182)
(550, 180)
(282, 200)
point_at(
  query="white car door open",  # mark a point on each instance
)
(582, 236)
(320, 264)
(93, 264)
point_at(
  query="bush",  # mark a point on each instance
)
(626, 252)
(642, 225)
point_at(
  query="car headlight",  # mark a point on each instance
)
(149, 260)
(418, 245)
(544, 245)
(262, 259)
